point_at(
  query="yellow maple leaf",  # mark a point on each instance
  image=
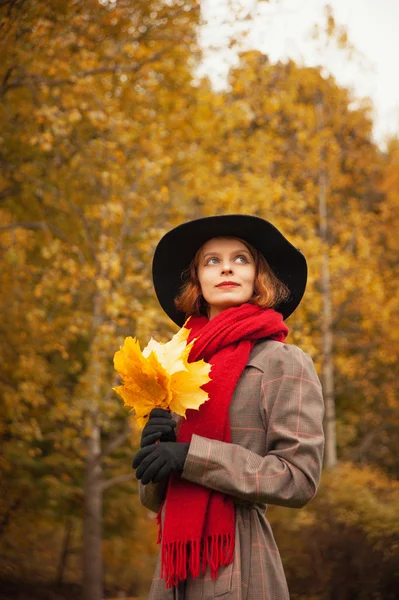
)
(160, 376)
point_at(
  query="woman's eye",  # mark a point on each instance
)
(215, 259)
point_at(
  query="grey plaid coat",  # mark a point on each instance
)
(275, 458)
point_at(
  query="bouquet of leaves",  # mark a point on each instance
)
(160, 376)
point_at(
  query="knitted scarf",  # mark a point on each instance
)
(199, 523)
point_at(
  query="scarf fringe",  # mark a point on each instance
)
(181, 559)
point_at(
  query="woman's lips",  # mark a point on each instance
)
(228, 285)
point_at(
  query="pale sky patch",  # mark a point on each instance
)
(282, 29)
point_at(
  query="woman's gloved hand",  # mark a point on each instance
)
(160, 426)
(156, 462)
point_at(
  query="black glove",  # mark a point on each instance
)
(156, 462)
(160, 426)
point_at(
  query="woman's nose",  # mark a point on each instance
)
(227, 269)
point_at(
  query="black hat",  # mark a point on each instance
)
(177, 248)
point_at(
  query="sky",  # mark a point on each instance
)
(282, 29)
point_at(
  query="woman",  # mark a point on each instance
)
(258, 440)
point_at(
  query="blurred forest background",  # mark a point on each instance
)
(108, 140)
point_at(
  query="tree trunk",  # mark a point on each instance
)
(327, 378)
(330, 454)
(64, 551)
(92, 521)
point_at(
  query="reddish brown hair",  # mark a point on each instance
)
(269, 291)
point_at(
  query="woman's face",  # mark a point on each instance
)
(225, 260)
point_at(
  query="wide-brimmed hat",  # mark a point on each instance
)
(177, 248)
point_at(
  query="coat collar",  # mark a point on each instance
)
(261, 352)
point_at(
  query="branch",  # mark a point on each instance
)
(10, 4)
(76, 210)
(6, 77)
(356, 453)
(8, 191)
(117, 69)
(116, 441)
(25, 225)
(44, 227)
(340, 310)
(116, 480)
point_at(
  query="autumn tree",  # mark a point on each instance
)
(293, 149)
(93, 104)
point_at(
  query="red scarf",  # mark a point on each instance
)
(199, 523)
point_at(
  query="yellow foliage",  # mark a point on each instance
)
(160, 376)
